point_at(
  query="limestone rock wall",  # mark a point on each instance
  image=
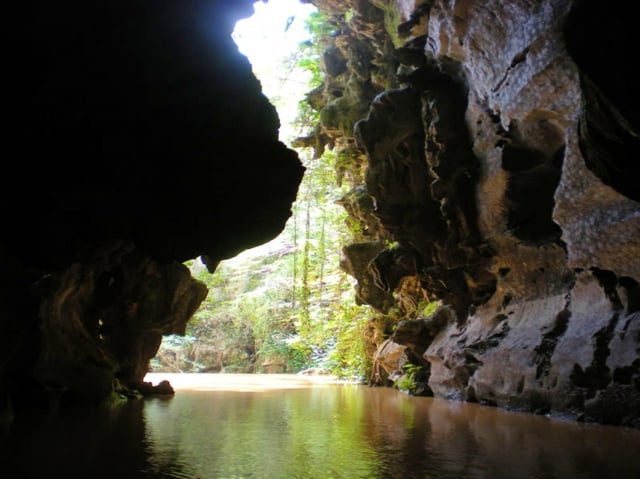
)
(502, 163)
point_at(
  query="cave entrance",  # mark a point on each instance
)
(284, 306)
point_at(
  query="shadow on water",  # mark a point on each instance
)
(86, 442)
(310, 430)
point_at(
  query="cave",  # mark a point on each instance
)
(494, 147)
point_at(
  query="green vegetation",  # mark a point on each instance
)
(311, 50)
(407, 382)
(412, 381)
(391, 23)
(288, 306)
(284, 310)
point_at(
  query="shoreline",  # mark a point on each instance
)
(241, 382)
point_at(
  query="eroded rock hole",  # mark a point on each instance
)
(609, 282)
(610, 123)
(544, 351)
(632, 290)
(534, 173)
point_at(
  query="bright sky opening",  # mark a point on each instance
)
(270, 39)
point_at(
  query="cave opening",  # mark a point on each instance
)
(281, 306)
(102, 214)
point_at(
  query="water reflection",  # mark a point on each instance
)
(299, 433)
(84, 442)
(316, 431)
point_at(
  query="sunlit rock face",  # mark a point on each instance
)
(502, 161)
(139, 139)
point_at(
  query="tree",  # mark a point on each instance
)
(285, 306)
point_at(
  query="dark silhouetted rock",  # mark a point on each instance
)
(140, 139)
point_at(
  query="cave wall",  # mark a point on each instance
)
(137, 138)
(501, 164)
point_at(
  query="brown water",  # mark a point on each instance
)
(237, 426)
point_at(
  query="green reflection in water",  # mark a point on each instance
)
(319, 432)
(351, 432)
(303, 433)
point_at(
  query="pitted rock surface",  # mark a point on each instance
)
(503, 156)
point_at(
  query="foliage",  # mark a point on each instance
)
(308, 59)
(286, 306)
(348, 15)
(426, 309)
(391, 23)
(407, 382)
